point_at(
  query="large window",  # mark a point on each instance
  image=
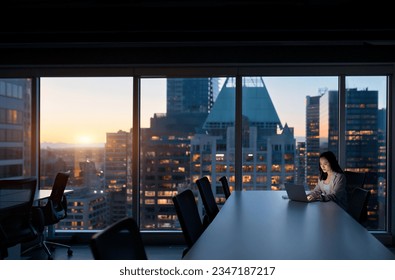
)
(85, 128)
(184, 133)
(189, 128)
(365, 140)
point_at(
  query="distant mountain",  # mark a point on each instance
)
(50, 145)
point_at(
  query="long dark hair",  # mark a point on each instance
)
(331, 158)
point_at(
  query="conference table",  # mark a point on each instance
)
(261, 225)
(7, 200)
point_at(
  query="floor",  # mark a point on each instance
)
(82, 252)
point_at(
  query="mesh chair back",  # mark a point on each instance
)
(207, 196)
(358, 203)
(188, 216)
(56, 207)
(16, 201)
(225, 186)
(119, 241)
(59, 186)
(353, 180)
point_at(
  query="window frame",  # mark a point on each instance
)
(164, 71)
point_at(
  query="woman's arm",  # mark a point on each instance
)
(316, 192)
(338, 190)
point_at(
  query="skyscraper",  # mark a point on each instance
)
(15, 128)
(166, 145)
(268, 156)
(193, 95)
(117, 172)
(312, 139)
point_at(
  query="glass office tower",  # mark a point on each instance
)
(15, 128)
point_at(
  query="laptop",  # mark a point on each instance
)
(296, 192)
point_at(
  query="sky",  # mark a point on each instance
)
(79, 110)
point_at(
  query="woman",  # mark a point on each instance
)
(332, 182)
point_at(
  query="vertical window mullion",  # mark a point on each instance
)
(136, 149)
(390, 159)
(238, 134)
(35, 127)
(341, 120)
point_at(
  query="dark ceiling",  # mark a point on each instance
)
(136, 21)
(182, 31)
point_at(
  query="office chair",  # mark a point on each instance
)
(16, 201)
(225, 186)
(354, 180)
(208, 198)
(119, 241)
(188, 216)
(51, 213)
(358, 204)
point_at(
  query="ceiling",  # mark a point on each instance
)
(215, 32)
(198, 21)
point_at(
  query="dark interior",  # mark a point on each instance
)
(178, 32)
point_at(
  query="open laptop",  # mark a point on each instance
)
(296, 192)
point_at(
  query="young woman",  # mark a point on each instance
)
(332, 182)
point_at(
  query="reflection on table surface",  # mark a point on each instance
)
(263, 225)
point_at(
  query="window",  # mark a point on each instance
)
(178, 111)
(85, 128)
(188, 128)
(366, 140)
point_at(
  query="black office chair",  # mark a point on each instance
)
(354, 180)
(208, 199)
(51, 213)
(16, 201)
(358, 203)
(188, 216)
(119, 241)
(225, 186)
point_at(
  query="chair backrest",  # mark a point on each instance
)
(16, 201)
(119, 241)
(188, 216)
(353, 180)
(56, 206)
(357, 206)
(225, 186)
(59, 186)
(207, 196)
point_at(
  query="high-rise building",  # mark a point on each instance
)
(117, 174)
(329, 122)
(193, 95)
(312, 139)
(300, 163)
(165, 149)
(15, 128)
(361, 130)
(268, 156)
(87, 210)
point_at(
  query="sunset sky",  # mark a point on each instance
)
(83, 110)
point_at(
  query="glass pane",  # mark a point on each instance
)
(85, 128)
(285, 128)
(365, 137)
(15, 128)
(182, 134)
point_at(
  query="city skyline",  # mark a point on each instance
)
(86, 122)
(169, 164)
